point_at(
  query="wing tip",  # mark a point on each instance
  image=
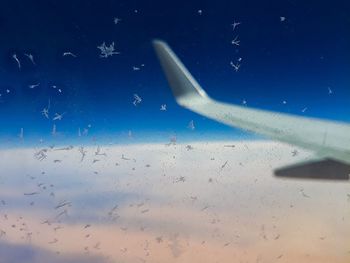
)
(158, 42)
(185, 88)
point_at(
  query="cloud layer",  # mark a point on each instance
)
(207, 202)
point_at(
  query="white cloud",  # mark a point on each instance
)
(223, 196)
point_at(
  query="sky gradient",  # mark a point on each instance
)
(298, 60)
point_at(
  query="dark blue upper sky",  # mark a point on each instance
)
(297, 60)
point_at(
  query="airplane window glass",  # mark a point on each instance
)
(186, 131)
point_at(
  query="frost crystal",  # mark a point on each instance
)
(107, 51)
(137, 99)
(116, 20)
(191, 125)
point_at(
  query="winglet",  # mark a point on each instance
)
(184, 87)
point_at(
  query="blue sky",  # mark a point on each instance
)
(296, 60)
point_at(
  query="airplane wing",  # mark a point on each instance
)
(328, 139)
(316, 169)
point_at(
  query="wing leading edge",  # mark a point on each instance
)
(327, 139)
